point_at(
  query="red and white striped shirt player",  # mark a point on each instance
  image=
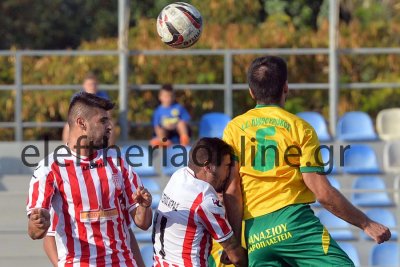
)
(86, 193)
(188, 216)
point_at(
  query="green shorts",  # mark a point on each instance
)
(292, 236)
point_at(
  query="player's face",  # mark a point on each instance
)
(166, 98)
(90, 86)
(221, 173)
(99, 128)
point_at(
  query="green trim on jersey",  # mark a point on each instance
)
(267, 105)
(312, 169)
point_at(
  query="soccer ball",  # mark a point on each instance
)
(179, 25)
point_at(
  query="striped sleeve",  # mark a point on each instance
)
(54, 222)
(131, 183)
(212, 215)
(41, 189)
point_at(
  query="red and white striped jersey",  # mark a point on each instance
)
(188, 215)
(88, 194)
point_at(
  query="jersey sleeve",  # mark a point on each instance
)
(212, 215)
(53, 223)
(41, 188)
(229, 137)
(131, 183)
(310, 160)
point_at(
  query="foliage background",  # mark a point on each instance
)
(92, 25)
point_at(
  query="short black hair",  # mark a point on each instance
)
(208, 150)
(267, 77)
(167, 87)
(82, 104)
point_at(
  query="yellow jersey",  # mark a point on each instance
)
(273, 147)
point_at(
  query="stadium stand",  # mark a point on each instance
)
(330, 161)
(339, 229)
(355, 126)
(351, 251)
(140, 158)
(391, 157)
(175, 158)
(318, 122)
(152, 185)
(386, 254)
(213, 124)
(360, 159)
(370, 199)
(387, 124)
(385, 217)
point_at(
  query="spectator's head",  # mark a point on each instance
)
(267, 78)
(90, 84)
(88, 116)
(166, 95)
(211, 160)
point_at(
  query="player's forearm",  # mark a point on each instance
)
(143, 217)
(234, 206)
(49, 246)
(337, 204)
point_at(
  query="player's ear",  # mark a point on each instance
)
(286, 88)
(81, 123)
(251, 93)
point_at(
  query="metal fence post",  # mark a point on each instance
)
(333, 65)
(18, 97)
(228, 99)
(123, 30)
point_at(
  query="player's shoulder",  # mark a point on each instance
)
(44, 166)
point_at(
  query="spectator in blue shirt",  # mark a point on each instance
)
(170, 120)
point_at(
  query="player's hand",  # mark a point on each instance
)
(225, 259)
(143, 197)
(40, 218)
(377, 231)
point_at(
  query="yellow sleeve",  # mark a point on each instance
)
(310, 160)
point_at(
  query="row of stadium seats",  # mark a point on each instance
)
(386, 254)
(341, 231)
(368, 191)
(357, 126)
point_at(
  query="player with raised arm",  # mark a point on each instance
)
(86, 184)
(278, 169)
(190, 213)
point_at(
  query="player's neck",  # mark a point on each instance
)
(80, 146)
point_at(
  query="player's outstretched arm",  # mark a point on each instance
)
(38, 223)
(142, 215)
(332, 200)
(236, 255)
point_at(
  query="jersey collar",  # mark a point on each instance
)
(267, 105)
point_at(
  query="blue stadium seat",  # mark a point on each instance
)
(326, 157)
(330, 221)
(147, 255)
(155, 190)
(175, 158)
(318, 122)
(360, 159)
(334, 182)
(355, 126)
(385, 217)
(139, 155)
(213, 124)
(351, 251)
(370, 199)
(386, 254)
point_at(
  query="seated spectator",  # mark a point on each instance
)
(170, 120)
(89, 85)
